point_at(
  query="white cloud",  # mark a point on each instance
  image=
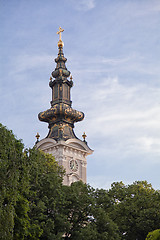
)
(99, 181)
(83, 5)
(114, 61)
(126, 64)
(151, 8)
(149, 144)
(24, 62)
(116, 111)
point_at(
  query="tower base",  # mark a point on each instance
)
(70, 154)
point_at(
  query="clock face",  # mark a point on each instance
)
(73, 165)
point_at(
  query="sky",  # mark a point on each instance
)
(113, 53)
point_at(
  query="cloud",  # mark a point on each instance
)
(100, 181)
(151, 8)
(83, 5)
(149, 144)
(24, 62)
(116, 111)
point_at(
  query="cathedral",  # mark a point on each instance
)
(61, 141)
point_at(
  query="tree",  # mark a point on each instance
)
(44, 180)
(106, 228)
(135, 209)
(155, 235)
(34, 205)
(45, 196)
(86, 218)
(30, 190)
(10, 160)
(78, 201)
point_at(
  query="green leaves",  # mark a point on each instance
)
(155, 235)
(10, 161)
(137, 210)
(30, 185)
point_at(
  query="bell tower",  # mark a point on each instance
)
(61, 141)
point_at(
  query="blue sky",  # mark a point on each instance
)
(113, 52)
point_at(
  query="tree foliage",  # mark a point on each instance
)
(35, 205)
(155, 235)
(136, 209)
(30, 188)
(10, 161)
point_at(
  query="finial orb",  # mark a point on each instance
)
(84, 136)
(37, 136)
(60, 44)
(71, 78)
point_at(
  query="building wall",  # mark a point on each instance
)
(71, 154)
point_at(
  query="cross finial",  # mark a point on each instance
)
(59, 32)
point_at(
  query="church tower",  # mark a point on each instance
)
(61, 141)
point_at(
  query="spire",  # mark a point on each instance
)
(61, 73)
(61, 116)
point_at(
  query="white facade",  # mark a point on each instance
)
(71, 154)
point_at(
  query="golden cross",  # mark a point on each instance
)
(59, 32)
